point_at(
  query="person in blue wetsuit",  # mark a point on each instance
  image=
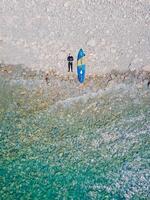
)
(70, 63)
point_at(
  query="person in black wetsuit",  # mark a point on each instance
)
(70, 63)
(148, 84)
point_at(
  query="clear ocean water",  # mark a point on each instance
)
(91, 147)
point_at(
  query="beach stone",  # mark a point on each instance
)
(91, 42)
(103, 41)
(146, 68)
(62, 55)
(23, 93)
(113, 76)
(67, 4)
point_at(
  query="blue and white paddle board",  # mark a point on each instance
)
(81, 66)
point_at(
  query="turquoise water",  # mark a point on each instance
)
(91, 147)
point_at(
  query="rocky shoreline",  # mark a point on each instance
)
(32, 93)
(19, 71)
(141, 74)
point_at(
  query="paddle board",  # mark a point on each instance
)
(81, 66)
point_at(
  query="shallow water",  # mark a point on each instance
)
(89, 147)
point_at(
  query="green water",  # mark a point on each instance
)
(87, 148)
